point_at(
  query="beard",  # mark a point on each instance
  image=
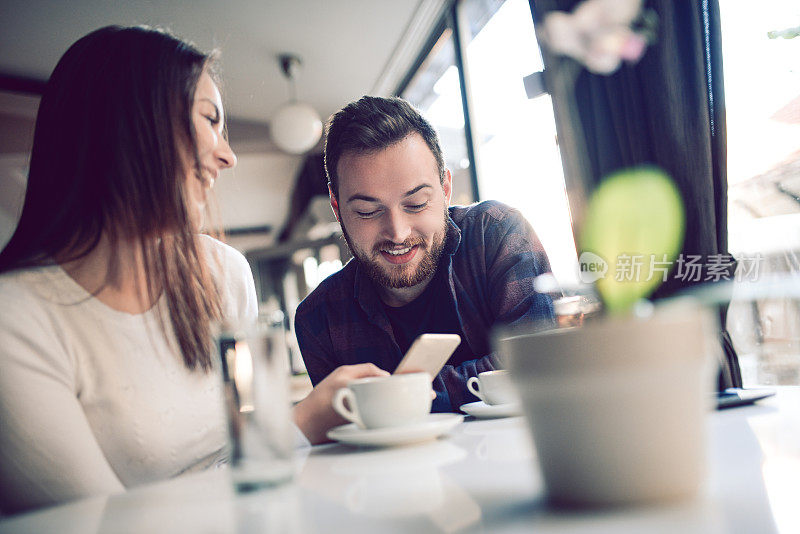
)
(404, 275)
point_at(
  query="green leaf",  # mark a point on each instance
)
(635, 222)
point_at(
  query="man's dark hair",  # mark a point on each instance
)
(371, 124)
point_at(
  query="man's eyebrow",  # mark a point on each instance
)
(365, 198)
(417, 189)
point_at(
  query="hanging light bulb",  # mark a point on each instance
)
(295, 127)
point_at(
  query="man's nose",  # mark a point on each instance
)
(396, 226)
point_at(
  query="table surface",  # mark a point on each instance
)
(483, 477)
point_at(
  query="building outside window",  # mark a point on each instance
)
(760, 49)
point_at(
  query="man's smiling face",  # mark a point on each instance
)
(392, 206)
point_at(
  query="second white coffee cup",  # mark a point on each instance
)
(385, 401)
(493, 387)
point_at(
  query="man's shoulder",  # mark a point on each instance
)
(491, 230)
(487, 211)
(487, 221)
(333, 291)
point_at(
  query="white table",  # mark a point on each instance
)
(481, 478)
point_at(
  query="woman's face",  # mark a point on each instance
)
(213, 149)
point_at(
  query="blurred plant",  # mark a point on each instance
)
(634, 215)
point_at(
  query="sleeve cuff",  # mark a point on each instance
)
(300, 439)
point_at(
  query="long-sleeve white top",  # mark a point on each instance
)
(94, 400)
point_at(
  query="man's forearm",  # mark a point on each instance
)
(313, 421)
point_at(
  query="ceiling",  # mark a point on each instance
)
(348, 47)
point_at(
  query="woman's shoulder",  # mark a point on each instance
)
(30, 300)
(28, 287)
(42, 287)
(14, 295)
(221, 251)
(226, 262)
(11, 283)
(233, 275)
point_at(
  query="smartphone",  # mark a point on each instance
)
(429, 353)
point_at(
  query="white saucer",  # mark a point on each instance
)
(481, 410)
(433, 426)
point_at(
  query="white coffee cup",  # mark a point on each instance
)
(493, 387)
(617, 407)
(385, 401)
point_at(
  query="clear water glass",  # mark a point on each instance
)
(255, 371)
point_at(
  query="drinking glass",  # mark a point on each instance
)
(255, 371)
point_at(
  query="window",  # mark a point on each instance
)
(513, 136)
(435, 90)
(761, 47)
(518, 158)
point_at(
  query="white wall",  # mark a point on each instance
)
(257, 191)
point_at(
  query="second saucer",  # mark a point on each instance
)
(481, 410)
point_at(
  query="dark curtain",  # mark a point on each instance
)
(666, 110)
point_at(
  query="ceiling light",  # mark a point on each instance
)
(295, 127)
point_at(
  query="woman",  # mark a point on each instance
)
(108, 291)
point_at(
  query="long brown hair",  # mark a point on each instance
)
(113, 123)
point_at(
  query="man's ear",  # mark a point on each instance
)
(447, 185)
(334, 204)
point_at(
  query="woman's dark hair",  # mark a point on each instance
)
(373, 123)
(108, 160)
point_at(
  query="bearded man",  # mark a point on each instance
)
(419, 265)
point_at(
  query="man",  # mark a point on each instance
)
(419, 266)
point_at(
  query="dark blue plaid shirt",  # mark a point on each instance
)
(492, 257)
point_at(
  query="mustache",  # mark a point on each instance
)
(410, 242)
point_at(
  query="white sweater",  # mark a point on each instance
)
(93, 400)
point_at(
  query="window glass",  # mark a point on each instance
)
(517, 154)
(760, 49)
(436, 92)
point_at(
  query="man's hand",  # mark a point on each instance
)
(314, 415)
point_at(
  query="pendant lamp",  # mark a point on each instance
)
(295, 127)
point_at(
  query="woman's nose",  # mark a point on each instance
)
(225, 155)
